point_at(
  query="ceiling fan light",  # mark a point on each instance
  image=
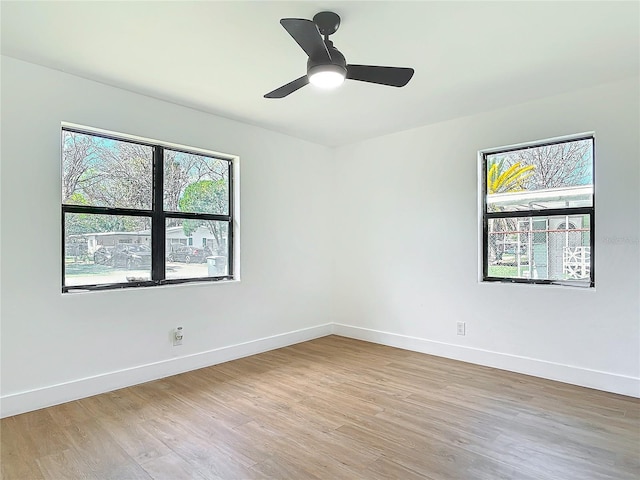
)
(327, 76)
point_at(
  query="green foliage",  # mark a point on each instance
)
(80, 223)
(77, 199)
(102, 172)
(503, 180)
(512, 179)
(205, 196)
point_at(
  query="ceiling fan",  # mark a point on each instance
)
(327, 67)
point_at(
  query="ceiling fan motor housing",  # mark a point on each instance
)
(326, 66)
(337, 60)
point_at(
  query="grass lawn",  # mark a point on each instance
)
(88, 268)
(507, 271)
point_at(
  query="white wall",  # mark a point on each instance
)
(123, 336)
(408, 243)
(398, 265)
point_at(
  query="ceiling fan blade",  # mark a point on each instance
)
(306, 33)
(392, 76)
(290, 87)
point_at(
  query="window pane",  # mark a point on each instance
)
(196, 248)
(103, 249)
(546, 248)
(101, 172)
(195, 183)
(551, 176)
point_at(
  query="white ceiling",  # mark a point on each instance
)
(222, 57)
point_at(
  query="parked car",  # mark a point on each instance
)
(190, 254)
(102, 256)
(131, 256)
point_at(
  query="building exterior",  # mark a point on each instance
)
(542, 247)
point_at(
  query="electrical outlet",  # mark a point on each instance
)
(462, 328)
(178, 335)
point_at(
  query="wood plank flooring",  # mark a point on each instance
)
(332, 408)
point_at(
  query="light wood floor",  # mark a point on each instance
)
(332, 408)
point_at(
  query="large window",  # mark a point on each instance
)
(538, 213)
(142, 213)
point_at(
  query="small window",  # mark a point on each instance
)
(130, 208)
(538, 213)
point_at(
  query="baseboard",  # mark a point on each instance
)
(608, 382)
(22, 402)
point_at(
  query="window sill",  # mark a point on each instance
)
(148, 286)
(553, 286)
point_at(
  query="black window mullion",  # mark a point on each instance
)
(156, 215)
(590, 211)
(107, 136)
(64, 248)
(538, 145)
(549, 212)
(592, 217)
(198, 216)
(485, 220)
(158, 227)
(127, 212)
(592, 247)
(485, 246)
(230, 224)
